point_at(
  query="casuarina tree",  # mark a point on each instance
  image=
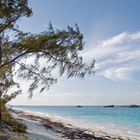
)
(58, 49)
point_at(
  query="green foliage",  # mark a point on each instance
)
(13, 124)
(11, 11)
(51, 50)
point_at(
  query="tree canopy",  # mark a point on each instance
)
(58, 49)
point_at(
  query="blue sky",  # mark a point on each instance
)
(111, 30)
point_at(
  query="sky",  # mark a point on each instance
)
(111, 30)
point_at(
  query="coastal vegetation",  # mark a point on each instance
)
(12, 128)
(12, 124)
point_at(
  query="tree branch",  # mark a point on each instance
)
(9, 23)
(67, 62)
(13, 60)
(38, 74)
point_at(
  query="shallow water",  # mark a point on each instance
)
(118, 119)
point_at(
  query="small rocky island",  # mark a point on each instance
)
(78, 106)
(109, 106)
(131, 106)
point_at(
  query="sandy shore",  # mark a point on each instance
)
(46, 128)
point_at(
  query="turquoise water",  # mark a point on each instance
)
(119, 119)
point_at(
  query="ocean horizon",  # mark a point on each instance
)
(116, 119)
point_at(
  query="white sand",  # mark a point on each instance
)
(36, 130)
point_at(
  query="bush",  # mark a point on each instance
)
(13, 124)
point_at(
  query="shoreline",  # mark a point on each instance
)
(65, 130)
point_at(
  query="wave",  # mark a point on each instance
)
(133, 133)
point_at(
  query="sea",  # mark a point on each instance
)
(112, 119)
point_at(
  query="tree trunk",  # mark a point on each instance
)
(0, 108)
(0, 118)
(0, 51)
(0, 81)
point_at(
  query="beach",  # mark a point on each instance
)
(48, 128)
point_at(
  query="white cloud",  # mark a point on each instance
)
(115, 40)
(122, 73)
(121, 38)
(118, 57)
(135, 36)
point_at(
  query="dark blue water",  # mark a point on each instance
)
(121, 119)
